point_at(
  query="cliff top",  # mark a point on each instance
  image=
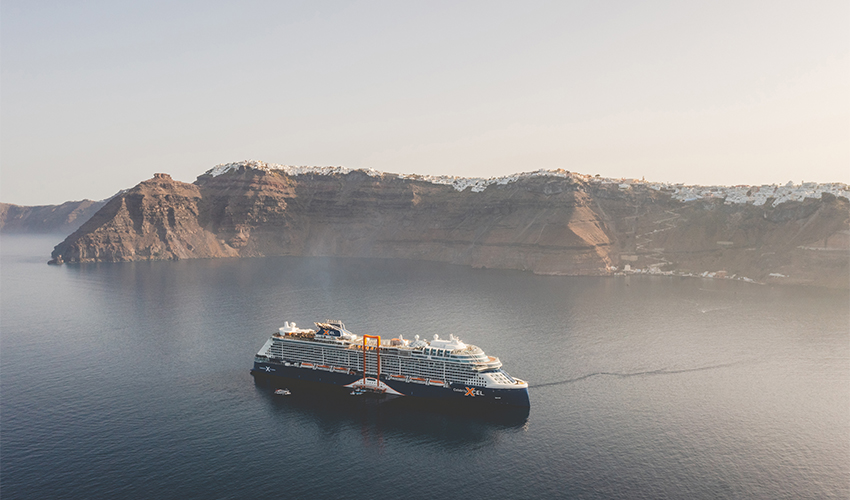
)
(757, 195)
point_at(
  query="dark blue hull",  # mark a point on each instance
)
(457, 392)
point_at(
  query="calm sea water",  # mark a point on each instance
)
(131, 380)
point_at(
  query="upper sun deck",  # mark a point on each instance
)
(437, 349)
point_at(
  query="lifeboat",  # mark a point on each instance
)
(308, 365)
(397, 377)
(419, 380)
(340, 369)
(436, 382)
(323, 367)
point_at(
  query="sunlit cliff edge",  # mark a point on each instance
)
(547, 222)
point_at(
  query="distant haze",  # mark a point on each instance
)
(96, 96)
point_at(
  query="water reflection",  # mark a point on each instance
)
(447, 424)
(131, 380)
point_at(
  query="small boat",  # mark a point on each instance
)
(282, 392)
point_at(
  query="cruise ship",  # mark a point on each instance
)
(368, 365)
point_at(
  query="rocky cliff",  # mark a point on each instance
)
(63, 218)
(552, 222)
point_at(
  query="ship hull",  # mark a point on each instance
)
(273, 372)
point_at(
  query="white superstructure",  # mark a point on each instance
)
(331, 347)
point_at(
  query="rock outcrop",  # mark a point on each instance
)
(546, 222)
(157, 219)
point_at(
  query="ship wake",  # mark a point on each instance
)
(661, 371)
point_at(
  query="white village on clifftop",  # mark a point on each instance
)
(757, 195)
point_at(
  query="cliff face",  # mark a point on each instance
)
(798, 242)
(63, 218)
(158, 219)
(551, 224)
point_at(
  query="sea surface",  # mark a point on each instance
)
(132, 381)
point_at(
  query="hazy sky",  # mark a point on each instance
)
(97, 96)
